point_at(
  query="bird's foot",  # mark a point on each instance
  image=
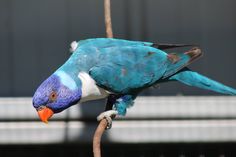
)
(108, 115)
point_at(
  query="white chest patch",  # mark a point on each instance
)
(90, 91)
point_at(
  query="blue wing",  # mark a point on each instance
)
(130, 68)
(111, 42)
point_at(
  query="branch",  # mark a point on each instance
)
(97, 138)
(107, 14)
(103, 123)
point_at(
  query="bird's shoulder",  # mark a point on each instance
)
(110, 42)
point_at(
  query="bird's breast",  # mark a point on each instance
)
(90, 91)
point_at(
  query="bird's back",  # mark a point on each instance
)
(124, 67)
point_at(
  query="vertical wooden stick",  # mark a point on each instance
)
(97, 138)
(107, 14)
(103, 123)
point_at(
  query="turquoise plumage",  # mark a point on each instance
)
(103, 67)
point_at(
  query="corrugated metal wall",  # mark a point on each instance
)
(35, 36)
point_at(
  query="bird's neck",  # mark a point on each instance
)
(77, 67)
(68, 80)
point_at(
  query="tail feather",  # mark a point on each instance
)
(170, 46)
(179, 61)
(192, 78)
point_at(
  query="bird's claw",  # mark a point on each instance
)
(108, 115)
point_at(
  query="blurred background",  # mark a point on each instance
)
(34, 41)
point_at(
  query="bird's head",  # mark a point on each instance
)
(56, 94)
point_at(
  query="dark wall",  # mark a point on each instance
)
(35, 36)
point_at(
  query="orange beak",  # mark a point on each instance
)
(44, 114)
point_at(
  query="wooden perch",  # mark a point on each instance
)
(103, 123)
(107, 14)
(97, 138)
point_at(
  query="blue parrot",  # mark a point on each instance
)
(118, 70)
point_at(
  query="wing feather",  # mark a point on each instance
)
(126, 69)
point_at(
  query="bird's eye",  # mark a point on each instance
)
(53, 96)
